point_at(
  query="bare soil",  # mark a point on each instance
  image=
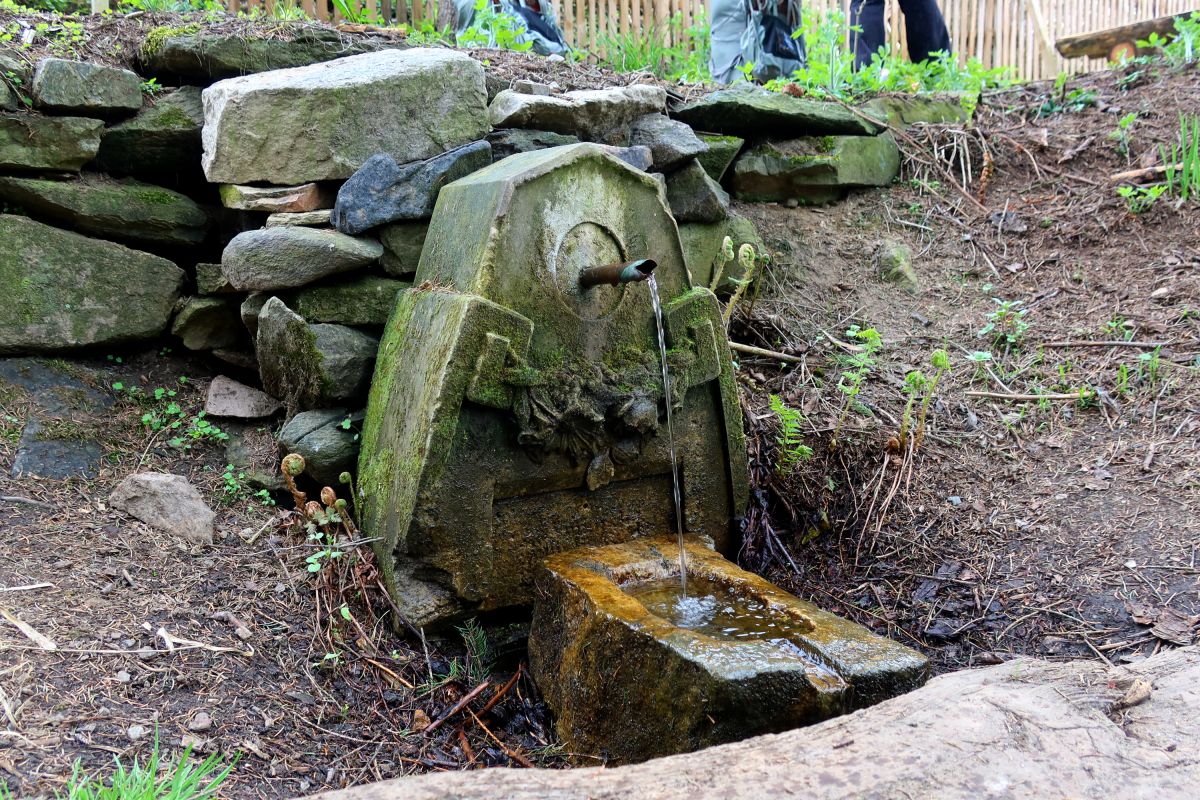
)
(1065, 528)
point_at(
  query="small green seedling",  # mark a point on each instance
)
(792, 449)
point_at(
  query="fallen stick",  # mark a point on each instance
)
(42, 641)
(1030, 397)
(1110, 343)
(751, 350)
(457, 707)
(1134, 175)
(26, 588)
(25, 501)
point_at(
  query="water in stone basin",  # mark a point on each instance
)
(715, 610)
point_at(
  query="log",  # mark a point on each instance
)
(1102, 44)
(1026, 728)
(1139, 175)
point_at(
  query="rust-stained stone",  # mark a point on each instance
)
(626, 685)
(277, 199)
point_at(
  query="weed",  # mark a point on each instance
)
(1184, 47)
(1007, 324)
(1123, 135)
(1062, 101)
(918, 385)
(1182, 162)
(1122, 385)
(748, 258)
(829, 71)
(426, 33)
(858, 366)
(792, 449)
(1119, 328)
(646, 50)
(1140, 199)
(151, 87)
(156, 779)
(479, 661)
(162, 412)
(234, 488)
(1149, 366)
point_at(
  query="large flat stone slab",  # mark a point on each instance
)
(194, 55)
(1025, 728)
(627, 683)
(752, 112)
(32, 142)
(125, 210)
(324, 121)
(814, 170)
(62, 86)
(65, 291)
(592, 114)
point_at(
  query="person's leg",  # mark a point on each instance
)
(925, 29)
(868, 15)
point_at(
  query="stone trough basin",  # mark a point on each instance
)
(631, 674)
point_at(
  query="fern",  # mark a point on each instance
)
(792, 449)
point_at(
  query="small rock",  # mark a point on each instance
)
(251, 309)
(206, 323)
(672, 143)
(601, 115)
(124, 677)
(135, 732)
(636, 156)
(200, 723)
(328, 448)
(304, 219)
(210, 280)
(382, 191)
(695, 197)
(287, 257)
(242, 633)
(894, 261)
(309, 366)
(402, 246)
(276, 199)
(229, 398)
(68, 87)
(532, 87)
(167, 502)
(721, 152)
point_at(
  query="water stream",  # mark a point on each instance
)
(662, 349)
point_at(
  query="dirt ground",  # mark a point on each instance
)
(1064, 528)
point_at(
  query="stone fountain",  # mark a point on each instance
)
(514, 454)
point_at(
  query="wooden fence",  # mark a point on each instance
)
(1017, 33)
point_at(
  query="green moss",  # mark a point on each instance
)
(152, 197)
(156, 37)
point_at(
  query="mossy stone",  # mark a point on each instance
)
(814, 170)
(125, 210)
(207, 323)
(62, 86)
(365, 300)
(409, 104)
(66, 291)
(722, 150)
(402, 246)
(753, 112)
(161, 143)
(32, 142)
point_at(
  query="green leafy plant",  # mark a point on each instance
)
(354, 11)
(979, 358)
(234, 488)
(1119, 328)
(792, 449)
(156, 779)
(151, 86)
(919, 386)
(829, 69)
(492, 28)
(479, 661)
(857, 366)
(1181, 163)
(1140, 199)
(1123, 135)
(1184, 47)
(1006, 324)
(1149, 367)
(425, 33)
(162, 412)
(748, 259)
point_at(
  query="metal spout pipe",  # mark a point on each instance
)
(616, 274)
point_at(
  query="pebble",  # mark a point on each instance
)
(200, 723)
(242, 633)
(135, 732)
(124, 677)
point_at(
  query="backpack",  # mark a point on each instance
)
(767, 42)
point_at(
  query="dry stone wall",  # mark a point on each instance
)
(304, 172)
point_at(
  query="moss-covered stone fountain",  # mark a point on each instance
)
(515, 445)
